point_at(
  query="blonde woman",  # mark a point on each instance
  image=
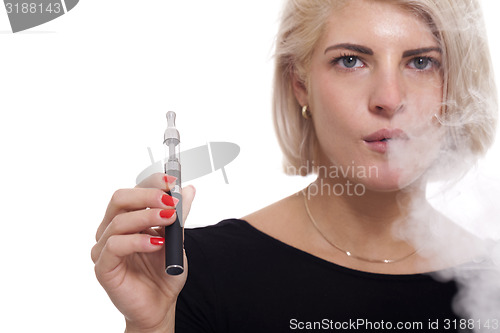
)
(375, 97)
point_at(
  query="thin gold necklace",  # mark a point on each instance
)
(349, 253)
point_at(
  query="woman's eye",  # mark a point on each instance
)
(348, 62)
(422, 63)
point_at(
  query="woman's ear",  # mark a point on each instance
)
(299, 89)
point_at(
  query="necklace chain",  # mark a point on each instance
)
(349, 253)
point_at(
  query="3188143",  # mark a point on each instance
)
(472, 324)
(33, 8)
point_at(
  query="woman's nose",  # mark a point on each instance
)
(387, 93)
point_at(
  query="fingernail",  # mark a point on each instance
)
(157, 240)
(169, 179)
(167, 213)
(167, 200)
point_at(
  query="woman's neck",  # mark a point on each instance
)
(361, 224)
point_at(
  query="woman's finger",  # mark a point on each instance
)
(188, 194)
(118, 247)
(133, 222)
(125, 200)
(158, 180)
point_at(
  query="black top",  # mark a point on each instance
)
(243, 280)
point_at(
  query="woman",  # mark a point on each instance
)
(376, 97)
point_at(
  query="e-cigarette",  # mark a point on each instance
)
(174, 260)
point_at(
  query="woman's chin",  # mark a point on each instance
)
(392, 180)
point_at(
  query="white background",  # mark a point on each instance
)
(81, 99)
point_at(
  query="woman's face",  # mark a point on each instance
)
(375, 84)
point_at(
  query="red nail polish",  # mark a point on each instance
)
(169, 179)
(157, 240)
(167, 213)
(168, 200)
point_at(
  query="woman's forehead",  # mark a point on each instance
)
(377, 22)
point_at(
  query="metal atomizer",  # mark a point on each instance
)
(174, 260)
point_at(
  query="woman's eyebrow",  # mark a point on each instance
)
(367, 50)
(352, 47)
(414, 52)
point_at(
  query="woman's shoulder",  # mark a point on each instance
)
(220, 233)
(282, 220)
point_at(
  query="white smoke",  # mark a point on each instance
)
(473, 205)
(456, 226)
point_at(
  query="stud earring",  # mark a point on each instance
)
(306, 113)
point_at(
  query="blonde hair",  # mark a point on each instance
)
(469, 101)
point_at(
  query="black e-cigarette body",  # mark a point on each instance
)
(174, 259)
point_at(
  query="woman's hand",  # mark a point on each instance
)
(128, 256)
